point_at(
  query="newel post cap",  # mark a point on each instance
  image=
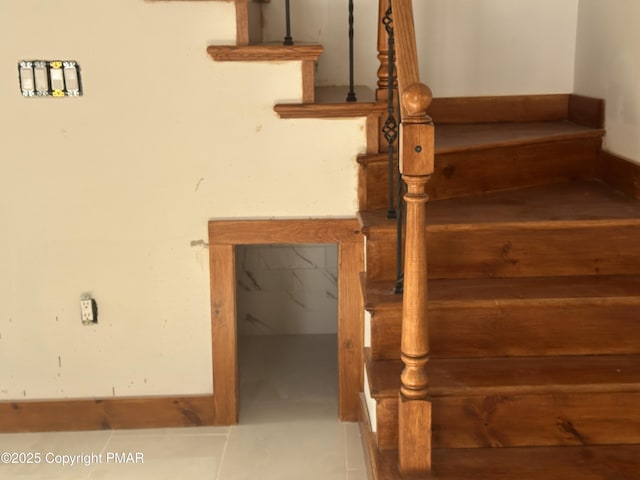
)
(416, 99)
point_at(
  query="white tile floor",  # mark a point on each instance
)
(288, 429)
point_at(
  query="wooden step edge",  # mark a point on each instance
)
(601, 462)
(393, 302)
(377, 301)
(383, 157)
(532, 225)
(389, 228)
(380, 465)
(390, 389)
(383, 226)
(566, 301)
(372, 158)
(503, 390)
(543, 139)
(379, 295)
(384, 377)
(265, 52)
(328, 110)
(364, 220)
(601, 290)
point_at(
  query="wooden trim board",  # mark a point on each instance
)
(224, 236)
(112, 413)
(621, 173)
(518, 108)
(272, 52)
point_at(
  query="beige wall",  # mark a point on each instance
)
(466, 47)
(608, 66)
(110, 193)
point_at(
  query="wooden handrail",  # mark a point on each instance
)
(416, 166)
(406, 48)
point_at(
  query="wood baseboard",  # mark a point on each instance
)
(518, 108)
(619, 172)
(105, 414)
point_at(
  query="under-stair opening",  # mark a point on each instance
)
(287, 320)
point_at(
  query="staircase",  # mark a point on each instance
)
(533, 278)
(533, 303)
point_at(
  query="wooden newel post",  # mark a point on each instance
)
(416, 166)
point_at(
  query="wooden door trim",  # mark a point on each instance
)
(224, 236)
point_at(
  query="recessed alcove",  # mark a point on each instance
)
(226, 240)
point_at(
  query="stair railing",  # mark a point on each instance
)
(416, 157)
(415, 152)
(288, 39)
(351, 96)
(388, 92)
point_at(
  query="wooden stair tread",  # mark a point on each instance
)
(465, 137)
(514, 375)
(469, 137)
(320, 109)
(265, 52)
(579, 201)
(476, 291)
(617, 462)
(606, 462)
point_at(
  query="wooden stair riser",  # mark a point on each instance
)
(559, 419)
(387, 421)
(568, 463)
(460, 174)
(517, 250)
(373, 182)
(469, 173)
(540, 327)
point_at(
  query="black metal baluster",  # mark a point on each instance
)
(390, 127)
(390, 130)
(351, 96)
(288, 39)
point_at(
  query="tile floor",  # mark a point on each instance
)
(288, 429)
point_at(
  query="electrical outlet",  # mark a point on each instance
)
(88, 310)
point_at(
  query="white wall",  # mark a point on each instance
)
(608, 66)
(496, 47)
(110, 193)
(466, 47)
